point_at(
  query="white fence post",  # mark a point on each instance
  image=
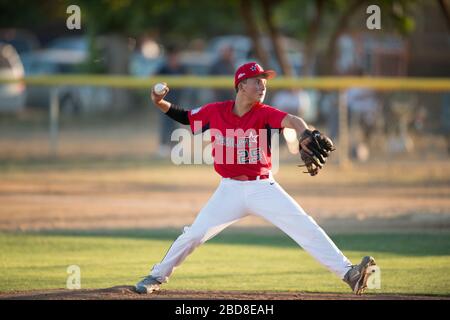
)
(344, 144)
(54, 121)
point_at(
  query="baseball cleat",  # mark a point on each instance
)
(147, 285)
(358, 275)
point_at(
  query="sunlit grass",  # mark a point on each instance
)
(410, 264)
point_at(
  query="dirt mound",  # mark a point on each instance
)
(127, 292)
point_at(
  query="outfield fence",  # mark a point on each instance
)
(339, 85)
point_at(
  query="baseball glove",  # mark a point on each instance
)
(314, 149)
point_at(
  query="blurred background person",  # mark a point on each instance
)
(223, 66)
(172, 66)
(363, 110)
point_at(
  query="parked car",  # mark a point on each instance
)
(77, 43)
(12, 95)
(62, 59)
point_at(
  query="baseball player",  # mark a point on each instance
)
(242, 157)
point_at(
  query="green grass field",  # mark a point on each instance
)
(417, 263)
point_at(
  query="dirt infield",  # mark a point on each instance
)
(127, 292)
(369, 197)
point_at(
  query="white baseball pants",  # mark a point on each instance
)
(265, 198)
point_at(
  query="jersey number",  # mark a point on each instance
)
(244, 157)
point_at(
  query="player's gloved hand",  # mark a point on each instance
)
(156, 98)
(314, 148)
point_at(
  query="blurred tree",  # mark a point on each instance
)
(275, 36)
(311, 37)
(318, 23)
(28, 14)
(347, 11)
(172, 21)
(396, 16)
(445, 11)
(247, 14)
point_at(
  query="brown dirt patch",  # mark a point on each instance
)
(127, 292)
(143, 197)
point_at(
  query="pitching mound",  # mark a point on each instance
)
(127, 292)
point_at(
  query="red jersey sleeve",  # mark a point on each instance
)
(200, 118)
(274, 117)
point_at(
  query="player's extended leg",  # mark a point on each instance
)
(225, 207)
(268, 200)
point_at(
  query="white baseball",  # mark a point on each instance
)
(160, 88)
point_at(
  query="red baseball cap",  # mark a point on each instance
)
(250, 70)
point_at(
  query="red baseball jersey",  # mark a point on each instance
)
(240, 145)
